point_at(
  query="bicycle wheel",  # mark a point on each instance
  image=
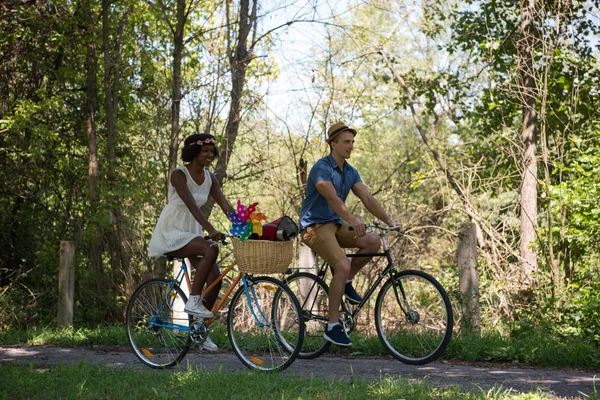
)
(261, 320)
(413, 316)
(312, 294)
(157, 326)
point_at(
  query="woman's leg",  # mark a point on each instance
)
(199, 247)
(211, 297)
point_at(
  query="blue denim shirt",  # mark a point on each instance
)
(315, 208)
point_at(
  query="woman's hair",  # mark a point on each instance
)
(192, 145)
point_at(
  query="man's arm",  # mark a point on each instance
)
(362, 192)
(327, 190)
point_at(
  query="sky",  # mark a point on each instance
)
(294, 53)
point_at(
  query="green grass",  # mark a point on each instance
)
(536, 348)
(87, 381)
(99, 336)
(106, 335)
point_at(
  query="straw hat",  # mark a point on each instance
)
(336, 129)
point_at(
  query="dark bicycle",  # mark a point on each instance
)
(413, 314)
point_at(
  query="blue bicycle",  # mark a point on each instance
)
(264, 322)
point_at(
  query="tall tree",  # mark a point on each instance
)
(239, 55)
(529, 131)
(96, 247)
(178, 42)
(112, 41)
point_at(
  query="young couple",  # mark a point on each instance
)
(325, 222)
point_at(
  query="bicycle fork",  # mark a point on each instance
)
(412, 317)
(261, 320)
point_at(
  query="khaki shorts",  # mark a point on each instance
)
(329, 240)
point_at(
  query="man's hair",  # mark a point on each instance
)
(334, 140)
(193, 144)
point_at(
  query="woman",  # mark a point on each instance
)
(179, 231)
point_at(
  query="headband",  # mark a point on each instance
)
(205, 141)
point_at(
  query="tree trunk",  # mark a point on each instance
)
(239, 58)
(178, 46)
(90, 110)
(468, 279)
(66, 284)
(176, 84)
(112, 76)
(529, 179)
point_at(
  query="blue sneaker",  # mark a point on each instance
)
(351, 295)
(337, 336)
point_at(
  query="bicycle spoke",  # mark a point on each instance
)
(312, 294)
(421, 333)
(264, 328)
(156, 324)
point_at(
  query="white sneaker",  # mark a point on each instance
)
(209, 345)
(195, 307)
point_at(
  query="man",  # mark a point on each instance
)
(327, 226)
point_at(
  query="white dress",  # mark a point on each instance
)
(176, 225)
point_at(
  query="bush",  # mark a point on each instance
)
(580, 311)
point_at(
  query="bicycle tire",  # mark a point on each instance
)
(419, 334)
(156, 323)
(313, 295)
(275, 306)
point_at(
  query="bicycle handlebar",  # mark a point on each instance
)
(223, 241)
(377, 225)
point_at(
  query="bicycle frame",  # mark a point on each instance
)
(184, 274)
(387, 271)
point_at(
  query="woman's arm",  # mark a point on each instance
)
(217, 194)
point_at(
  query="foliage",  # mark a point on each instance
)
(458, 61)
(579, 312)
(485, 39)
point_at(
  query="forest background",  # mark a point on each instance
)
(473, 116)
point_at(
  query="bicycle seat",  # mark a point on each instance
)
(172, 258)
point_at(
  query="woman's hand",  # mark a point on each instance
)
(215, 235)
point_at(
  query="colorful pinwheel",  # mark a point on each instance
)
(246, 221)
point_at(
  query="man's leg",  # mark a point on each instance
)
(336, 288)
(370, 243)
(322, 239)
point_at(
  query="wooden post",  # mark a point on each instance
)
(66, 284)
(307, 260)
(468, 279)
(178, 316)
(307, 264)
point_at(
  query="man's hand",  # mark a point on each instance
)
(359, 227)
(394, 224)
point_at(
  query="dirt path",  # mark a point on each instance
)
(556, 384)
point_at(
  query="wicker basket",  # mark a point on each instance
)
(263, 256)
